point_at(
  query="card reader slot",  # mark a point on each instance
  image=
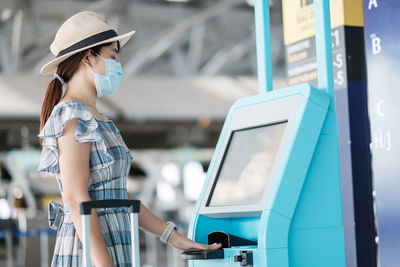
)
(228, 240)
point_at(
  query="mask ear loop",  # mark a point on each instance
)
(56, 76)
(63, 83)
(89, 68)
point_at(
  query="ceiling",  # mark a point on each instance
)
(186, 64)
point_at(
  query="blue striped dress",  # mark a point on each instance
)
(110, 161)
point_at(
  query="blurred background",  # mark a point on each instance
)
(188, 61)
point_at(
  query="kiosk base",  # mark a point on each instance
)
(240, 256)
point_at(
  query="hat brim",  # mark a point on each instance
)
(51, 67)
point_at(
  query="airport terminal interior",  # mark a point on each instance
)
(269, 127)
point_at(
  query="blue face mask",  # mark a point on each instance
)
(108, 83)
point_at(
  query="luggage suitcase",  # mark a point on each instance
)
(85, 209)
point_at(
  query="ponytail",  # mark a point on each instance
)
(52, 97)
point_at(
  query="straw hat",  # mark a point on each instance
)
(81, 31)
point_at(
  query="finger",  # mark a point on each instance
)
(212, 247)
(215, 246)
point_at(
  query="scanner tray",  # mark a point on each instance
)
(203, 255)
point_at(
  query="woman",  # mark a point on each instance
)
(85, 150)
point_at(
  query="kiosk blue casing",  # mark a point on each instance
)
(301, 222)
(298, 222)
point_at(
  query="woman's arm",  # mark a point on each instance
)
(74, 171)
(154, 225)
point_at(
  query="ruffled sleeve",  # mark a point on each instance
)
(87, 130)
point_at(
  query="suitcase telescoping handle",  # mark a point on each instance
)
(85, 209)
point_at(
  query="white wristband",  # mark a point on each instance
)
(167, 232)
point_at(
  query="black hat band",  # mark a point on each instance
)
(99, 37)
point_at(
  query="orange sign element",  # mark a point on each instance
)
(298, 17)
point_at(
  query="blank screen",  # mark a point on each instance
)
(246, 166)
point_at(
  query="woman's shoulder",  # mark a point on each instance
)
(68, 110)
(87, 130)
(64, 112)
(68, 106)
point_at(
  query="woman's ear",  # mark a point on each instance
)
(87, 59)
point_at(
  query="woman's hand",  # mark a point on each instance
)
(183, 243)
(152, 224)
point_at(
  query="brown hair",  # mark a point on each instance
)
(54, 90)
(65, 70)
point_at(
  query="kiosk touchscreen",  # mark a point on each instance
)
(246, 166)
(272, 195)
(241, 179)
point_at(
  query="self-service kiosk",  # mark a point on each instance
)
(272, 196)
